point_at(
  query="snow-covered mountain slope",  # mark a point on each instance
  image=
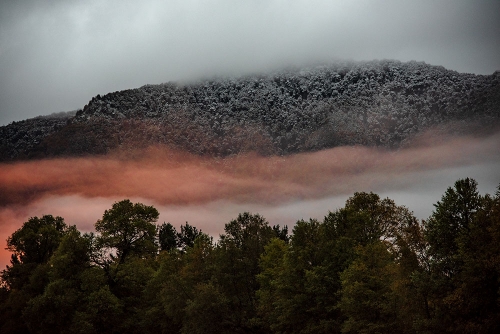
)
(379, 103)
(19, 138)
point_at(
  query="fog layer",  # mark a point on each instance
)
(209, 192)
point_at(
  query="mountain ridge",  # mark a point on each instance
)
(378, 103)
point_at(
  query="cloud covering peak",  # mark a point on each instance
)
(55, 55)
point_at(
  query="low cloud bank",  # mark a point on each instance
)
(209, 192)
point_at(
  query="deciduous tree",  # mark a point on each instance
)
(128, 229)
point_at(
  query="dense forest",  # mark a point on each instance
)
(368, 267)
(378, 103)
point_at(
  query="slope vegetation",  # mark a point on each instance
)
(379, 103)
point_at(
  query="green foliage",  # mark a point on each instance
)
(208, 311)
(368, 299)
(28, 275)
(187, 236)
(72, 255)
(72, 300)
(368, 267)
(462, 282)
(281, 233)
(304, 285)
(129, 229)
(173, 286)
(237, 266)
(450, 220)
(36, 240)
(167, 237)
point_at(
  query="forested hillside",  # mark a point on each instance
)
(368, 267)
(379, 103)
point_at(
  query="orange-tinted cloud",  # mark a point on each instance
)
(175, 179)
(170, 177)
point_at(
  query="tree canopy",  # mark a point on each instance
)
(368, 267)
(128, 229)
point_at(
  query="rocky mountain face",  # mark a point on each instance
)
(379, 103)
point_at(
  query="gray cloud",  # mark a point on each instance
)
(56, 55)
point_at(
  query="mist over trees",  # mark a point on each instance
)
(379, 103)
(368, 267)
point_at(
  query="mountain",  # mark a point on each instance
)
(379, 103)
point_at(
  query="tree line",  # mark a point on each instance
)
(368, 267)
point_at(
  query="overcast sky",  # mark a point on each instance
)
(55, 55)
